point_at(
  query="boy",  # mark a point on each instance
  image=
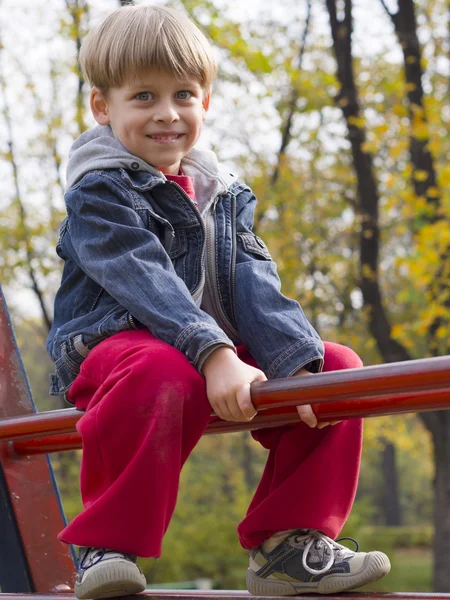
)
(170, 305)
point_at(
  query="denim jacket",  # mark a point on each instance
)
(138, 254)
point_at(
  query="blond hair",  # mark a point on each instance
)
(134, 39)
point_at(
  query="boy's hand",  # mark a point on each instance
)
(306, 413)
(228, 382)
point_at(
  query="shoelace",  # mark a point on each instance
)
(100, 555)
(329, 544)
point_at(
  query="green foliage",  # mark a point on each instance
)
(397, 537)
(414, 465)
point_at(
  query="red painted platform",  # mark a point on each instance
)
(238, 594)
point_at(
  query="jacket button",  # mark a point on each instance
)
(260, 242)
(135, 166)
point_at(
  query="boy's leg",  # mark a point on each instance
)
(311, 475)
(146, 408)
(302, 502)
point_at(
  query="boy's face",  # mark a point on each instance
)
(156, 117)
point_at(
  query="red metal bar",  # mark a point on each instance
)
(415, 378)
(346, 409)
(43, 423)
(424, 401)
(46, 444)
(368, 382)
(368, 392)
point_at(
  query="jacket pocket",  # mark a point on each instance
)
(174, 241)
(73, 352)
(62, 233)
(113, 322)
(253, 244)
(178, 245)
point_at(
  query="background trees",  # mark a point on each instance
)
(338, 118)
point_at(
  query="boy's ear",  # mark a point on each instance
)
(205, 104)
(99, 106)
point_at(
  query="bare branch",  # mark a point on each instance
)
(76, 9)
(50, 132)
(22, 212)
(386, 8)
(286, 135)
(287, 130)
(55, 154)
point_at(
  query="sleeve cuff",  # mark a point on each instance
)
(206, 352)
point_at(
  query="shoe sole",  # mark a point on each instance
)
(119, 578)
(375, 567)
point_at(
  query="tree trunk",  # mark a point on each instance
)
(379, 325)
(390, 500)
(404, 21)
(423, 173)
(437, 423)
(441, 544)
(368, 198)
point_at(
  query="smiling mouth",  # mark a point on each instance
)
(165, 138)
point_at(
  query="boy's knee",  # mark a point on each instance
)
(163, 362)
(160, 380)
(339, 357)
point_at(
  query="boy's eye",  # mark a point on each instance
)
(143, 96)
(183, 95)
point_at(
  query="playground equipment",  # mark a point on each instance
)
(33, 561)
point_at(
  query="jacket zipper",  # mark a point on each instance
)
(132, 322)
(209, 261)
(198, 292)
(212, 279)
(233, 257)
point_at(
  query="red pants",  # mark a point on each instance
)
(146, 409)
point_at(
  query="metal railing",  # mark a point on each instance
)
(414, 386)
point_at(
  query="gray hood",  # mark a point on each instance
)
(98, 148)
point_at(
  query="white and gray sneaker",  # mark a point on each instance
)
(308, 561)
(106, 573)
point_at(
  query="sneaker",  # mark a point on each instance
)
(106, 573)
(308, 561)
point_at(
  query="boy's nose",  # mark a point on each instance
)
(165, 112)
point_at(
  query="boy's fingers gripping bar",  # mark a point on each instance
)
(413, 386)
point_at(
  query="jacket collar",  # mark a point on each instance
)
(99, 149)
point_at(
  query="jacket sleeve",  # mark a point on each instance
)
(111, 244)
(273, 327)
